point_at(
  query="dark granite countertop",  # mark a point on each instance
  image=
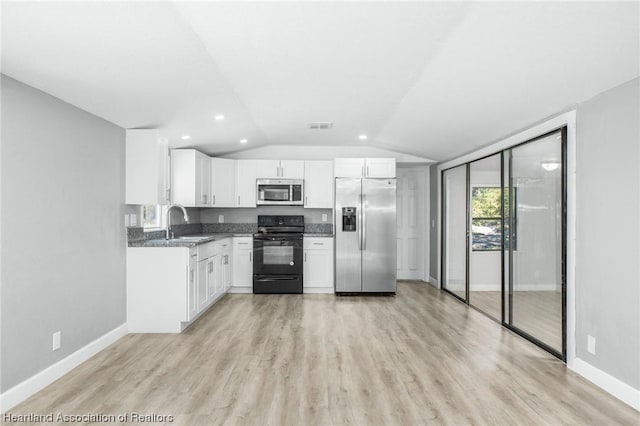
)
(177, 242)
(317, 234)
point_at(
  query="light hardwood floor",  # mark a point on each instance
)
(538, 313)
(418, 358)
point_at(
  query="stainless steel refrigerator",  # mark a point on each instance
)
(365, 221)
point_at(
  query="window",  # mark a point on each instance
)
(486, 230)
(485, 219)
(153, 217)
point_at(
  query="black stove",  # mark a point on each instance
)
(278, 254)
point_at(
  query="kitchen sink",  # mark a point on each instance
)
(192, 237)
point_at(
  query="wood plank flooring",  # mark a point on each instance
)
(418, 358)
(538, 313)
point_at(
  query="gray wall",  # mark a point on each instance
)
(607, 275)
(251, 215)
(63, 236)
(434, 246)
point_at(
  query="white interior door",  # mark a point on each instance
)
(411, 223)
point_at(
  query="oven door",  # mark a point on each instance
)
(277, 255)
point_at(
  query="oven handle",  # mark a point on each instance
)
(278, 279)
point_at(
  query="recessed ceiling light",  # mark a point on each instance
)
(219, 117)
(243, 141)
(185, 137)
(362, 137)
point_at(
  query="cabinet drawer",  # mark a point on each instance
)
(223, 245)
(207, 250)
(243, 242)
(318, 243)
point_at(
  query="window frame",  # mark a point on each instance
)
(160, 224)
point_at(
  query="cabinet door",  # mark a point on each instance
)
(223, 179)
(203, 284)
(203, 179)
(348, 167)
(216, 280)
(246, 175)
(228, 273)
(318, 184)
(269, 169)
(292, 169)
(192, 304)
(185, 184)
(243, 268)
(317, 268)
(146, 167)
(380, 167)
(162, 172)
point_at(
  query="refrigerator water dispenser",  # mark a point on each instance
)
(348, 219)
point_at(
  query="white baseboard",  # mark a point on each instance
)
(525, 287)
(433, 281)
(615, 387)
(240, 290)
(24, 390)
(317, 290)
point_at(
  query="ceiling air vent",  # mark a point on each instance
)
(321, 125)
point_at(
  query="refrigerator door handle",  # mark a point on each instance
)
(364, 222)
(359, 224)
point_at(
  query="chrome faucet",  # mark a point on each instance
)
(186, 217)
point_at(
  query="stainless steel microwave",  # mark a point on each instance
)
(280, 192)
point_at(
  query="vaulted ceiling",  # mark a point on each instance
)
(431, 79)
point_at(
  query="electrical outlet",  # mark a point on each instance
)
(56, 340)
(324, 217)
(591, 345)
(221, 218)
(134, 219)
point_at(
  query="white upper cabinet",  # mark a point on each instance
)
(268, 168)
(318, 184)
(380, 167)
(292, 169)
(190, 178)
(348, 167)
(147, 168)
(274, 169)
(246, 175)
(365, 167)
(223, 179)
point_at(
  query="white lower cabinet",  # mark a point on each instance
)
(169, 287)
(242, 279)
(318, 265)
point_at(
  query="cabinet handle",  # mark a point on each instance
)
(214, 200)
(242, 243)
(362, 170)
(367, 171)
(305, 200)
(305, 256)
(249, 256)
(168, 194)
(318, 244)
(238, 200)
(194, 255)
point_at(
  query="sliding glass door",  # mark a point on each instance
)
(504, 238)
(454, 227)
(485, 248)
(536, 249)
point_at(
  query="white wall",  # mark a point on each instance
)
(63, 235)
